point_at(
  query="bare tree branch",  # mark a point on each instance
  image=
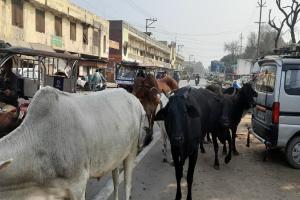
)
(291, 14)
(277, 28)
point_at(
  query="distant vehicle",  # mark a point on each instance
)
(176, 75)
(126, 72)
(276, 117)
(197, 79)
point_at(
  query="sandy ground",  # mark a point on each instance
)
(245, 177)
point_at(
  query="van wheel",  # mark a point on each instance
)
(293, 153)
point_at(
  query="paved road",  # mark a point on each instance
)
(245, 177)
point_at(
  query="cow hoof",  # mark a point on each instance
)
(227, 160)
(236, 153)
(217, 167)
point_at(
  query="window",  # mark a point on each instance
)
(17, 13)
(40, 21)
(266, 79)
(104, 44)
(58, 26)
(85, 34)
(73, 31)
(96, 38)
(292, 82)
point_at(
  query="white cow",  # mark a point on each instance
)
(167, 157)
(67, 139)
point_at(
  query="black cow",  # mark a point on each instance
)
(214, 125)
(237, 106)
(187, 118)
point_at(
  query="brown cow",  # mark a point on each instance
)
(9, 118)
(148, 90)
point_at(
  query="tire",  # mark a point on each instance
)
(292, 152)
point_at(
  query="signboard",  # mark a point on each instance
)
(58, 83)
(56, 41)
(114, 45)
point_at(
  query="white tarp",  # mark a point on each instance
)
(244, 67)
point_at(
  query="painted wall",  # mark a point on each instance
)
(61, 8)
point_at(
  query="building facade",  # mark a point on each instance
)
(55, 25)
(136, 46)
(132, 45)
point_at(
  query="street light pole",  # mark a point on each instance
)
(149, 22)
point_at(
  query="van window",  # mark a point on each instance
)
(292, 82)
(266, 79)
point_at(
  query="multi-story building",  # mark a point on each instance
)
(136, 46)
(55, 25)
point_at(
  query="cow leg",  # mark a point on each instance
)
(77, 189)
(190, 174)
(128, 168)
(165, 145)
(115, 176)
(224, 149)
(178, 172)
(216, 149)
(234, 129)
(228, 139)
(208, 138)
(201, 146)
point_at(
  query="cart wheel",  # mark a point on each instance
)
(293, 152)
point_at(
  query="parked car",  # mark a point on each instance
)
(276, 117)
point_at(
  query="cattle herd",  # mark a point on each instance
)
(66, 139)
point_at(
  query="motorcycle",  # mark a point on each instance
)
(197, 80)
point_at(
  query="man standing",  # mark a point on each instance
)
(8, 85)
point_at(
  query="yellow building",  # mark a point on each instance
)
(136, 46)
(54, 24)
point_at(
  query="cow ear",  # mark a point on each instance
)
(192, 111)
(161, 115)
(4, 164)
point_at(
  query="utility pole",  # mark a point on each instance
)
(177, 52)
(241, 47)
(149, 23)
(261, 5)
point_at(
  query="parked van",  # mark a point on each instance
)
(276, 117)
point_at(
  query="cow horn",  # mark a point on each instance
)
(4, 164)
(234, 92)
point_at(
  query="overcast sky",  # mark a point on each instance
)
(202, 26)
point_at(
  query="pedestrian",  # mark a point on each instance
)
(8, 85)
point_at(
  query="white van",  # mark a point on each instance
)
(276, 117)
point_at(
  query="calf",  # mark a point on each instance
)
(182, 119)
(187, 117)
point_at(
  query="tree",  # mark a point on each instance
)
(267, 43)
(291, 14)
(232, 47)
(277, 28)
